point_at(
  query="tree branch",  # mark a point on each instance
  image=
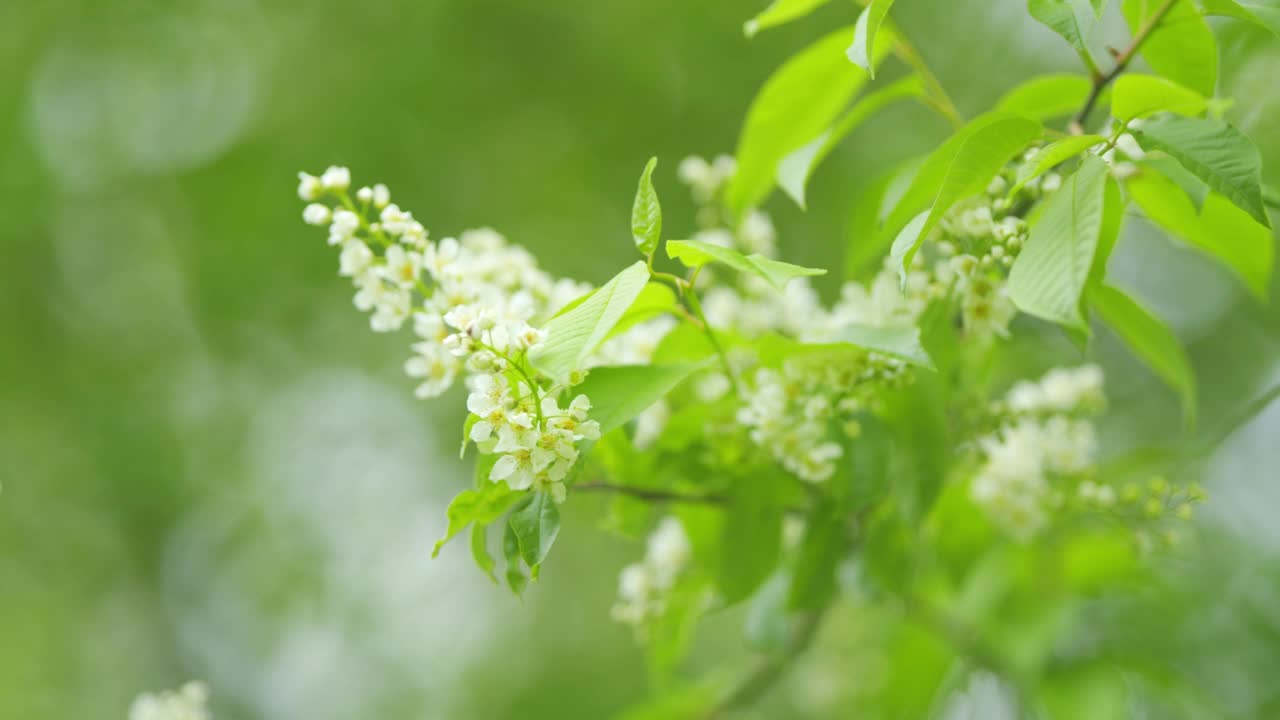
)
(653, 495)
(1123, 58)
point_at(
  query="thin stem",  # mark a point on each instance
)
(652, 495)
(692, 298)
(1100, 82)
(936, 95)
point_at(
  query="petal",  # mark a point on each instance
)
(503, 469)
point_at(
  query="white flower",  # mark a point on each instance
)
(344, 226)
(390, 310)
(668, 551)
(187, 703)
(309, 187)
(381, 196)
(757, 234)
(365, 194)
(336, 178)
(403, 266)
(394, 220)
(436, 369)
(1050, 182)
(315, 214)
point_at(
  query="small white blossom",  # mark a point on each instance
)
(186, 703)
(336, 179)
(381, 196)
(309, 187)
(315, 214)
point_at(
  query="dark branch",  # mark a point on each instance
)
(1123, 58)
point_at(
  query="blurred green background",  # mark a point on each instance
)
(212, 469)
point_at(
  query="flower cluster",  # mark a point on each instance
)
(791, 412)
(472, 300)
(1044, 438)
(643, 587)
(536, 441)
(186, 703)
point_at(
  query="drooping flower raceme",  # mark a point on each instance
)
(643, 587)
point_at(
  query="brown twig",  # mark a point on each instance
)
(1123, 58)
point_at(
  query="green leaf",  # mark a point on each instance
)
(868, 458)
(1150, 339)
(482, 506)
(573, 336)
(900, 341)
(796, 168)
(480, 552)
(1138, 96)
(654, 300)
(864, 35)
(1182, 47)
(1195, 188)
(646, 213)
(1061, 17)
(1265, 16)
(780, 12)
(466, 434)
(963, 166)
(1047, 96)
(1215, 152)
(536, 526)
(1053, 155)
(751, 537)
(797, 103)
(1098, 7)
(863, 251)
(516, 579)
(619, 394)
(695, 253)
(1220, 229)
(1050, 272)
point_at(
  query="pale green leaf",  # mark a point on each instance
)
(797, 103)
(695, 253)
(536, 526)
(963, 166)
(480, 552)
(1182, 47)
(780, 12)
(620, 393)
(516, 579)
(1215, 152)
(1150, 339)
(1050, 273)
(864, 35)
(1098, 7)
(1053, 155)
(1220, 229)
(1047, 96)
(1137, 96)
(646, 213)
(1062, 17)
(751, 537)
(1263, 15)
(482, 505)
(898, 341)
(574, 335)
(796, 168)
(1195, 188)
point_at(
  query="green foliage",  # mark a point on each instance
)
(480, 552)
(961, 167)
(1181, 47)
(618, 394)
(1219, 228)
(1216, 153)
(796, 104)
(864, 35)
(751, 538)
(780, 12)
(1053, 155)
(1137, 96)
(574, 335)
(535, 525)
(1061, 16)
(1150, 339)
(1045, 97)
(646, 213)
(696, 253)
(1049, 276)
(795, 169)
(1261, 14)
(481, 506)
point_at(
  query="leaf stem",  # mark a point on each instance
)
(653, 495)
(692, 297)
(1123, 58)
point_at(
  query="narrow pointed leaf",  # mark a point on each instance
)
(864, 35)
(1137, 96)
(536, 526)
(1053, 155)
(1050, 273)
(646, 213)
(1263, 15)
(780, 12)
(1061, 17)
(573, 336)
(695, 253)
(480, 552)
(1047, 96)
(483, 505)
